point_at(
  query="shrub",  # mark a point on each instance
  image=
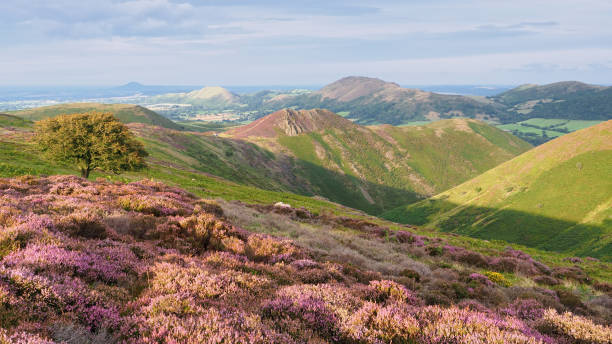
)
(87, 224)
(525, 309)
(375, 324)
(547, 280)
(497, 278)
(576, 328)
(383, 290)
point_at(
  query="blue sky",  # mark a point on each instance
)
(242, 42)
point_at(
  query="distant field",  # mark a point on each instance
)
(203, 126)
(533, 129)
(407, 124)
(529, 130)
(343, 113)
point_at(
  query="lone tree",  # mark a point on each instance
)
(90, 140)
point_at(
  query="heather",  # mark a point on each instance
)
(143, 262)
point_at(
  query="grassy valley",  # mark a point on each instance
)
(555, 197)
(375, 168)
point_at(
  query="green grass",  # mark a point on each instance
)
(126, 113)
(521, 129)
(555, 197)
(413, 123)
(540, 130)
(19, 157)
(343, 113)
(397, 165)
(14, 121)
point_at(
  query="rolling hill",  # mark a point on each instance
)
(126, 113)
(557, 196)
(212, 97)
(374, 168)
(374, 101)
(570, 100)
(13, 121)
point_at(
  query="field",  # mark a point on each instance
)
(540, 130)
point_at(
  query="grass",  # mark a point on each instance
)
(18, 157)
(394, 165)
(540, 130)
(14, 121)
(127, 113)
(559, 200)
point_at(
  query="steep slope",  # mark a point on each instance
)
(557, 196)
(291, 123)
(374, 101)
(375, 168)
(127, 113)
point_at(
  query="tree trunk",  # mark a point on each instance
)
(85, 172)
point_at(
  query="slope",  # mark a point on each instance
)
(557, 196)
(127, 113)
(377, 168)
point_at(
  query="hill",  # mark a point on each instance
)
(126, 113)
(212, 97)
(556, 196)
(374, 101)
(13, 121)
(570, 100)
(554, 91)
(291, 123)
(375, 168)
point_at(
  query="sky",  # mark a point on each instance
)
(270, 42)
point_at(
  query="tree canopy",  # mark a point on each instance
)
(89, 141)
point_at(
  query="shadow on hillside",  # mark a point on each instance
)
(510, 225)
(346, 189)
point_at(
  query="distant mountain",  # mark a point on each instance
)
(554, 91)
(562, 100)
(126, 113)
(213, 97)
(213, 93)
(375, 168)
(374, 101)
(557, 196)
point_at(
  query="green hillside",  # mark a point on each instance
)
(380, 167)
(127, 113)
(368, 168)
(557, 196)
(13, 121)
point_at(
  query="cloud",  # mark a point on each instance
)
(178, 41)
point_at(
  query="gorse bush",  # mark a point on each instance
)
(101, 262)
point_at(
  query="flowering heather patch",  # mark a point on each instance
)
(576, 328)
(85, 261)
